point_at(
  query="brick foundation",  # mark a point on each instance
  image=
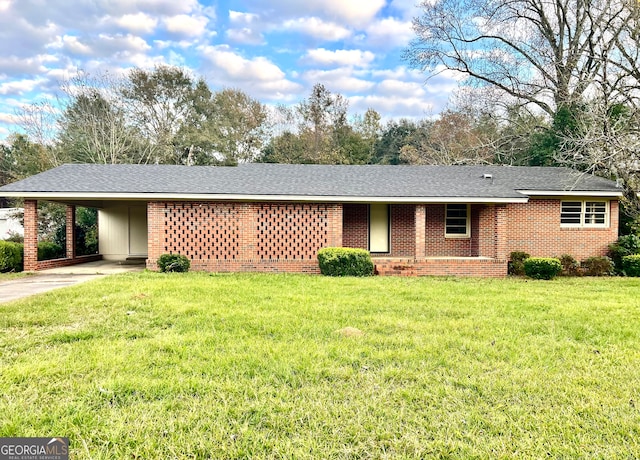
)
(468, 267)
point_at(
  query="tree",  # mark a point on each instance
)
(238, 125)
(541, 52)
(323, 125)
(93, 127)
(455, 138)
(399, 135)
(157, 104)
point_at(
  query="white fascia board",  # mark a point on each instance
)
(238, 197)
(585, 193)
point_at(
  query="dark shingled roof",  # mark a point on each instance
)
(273, 180)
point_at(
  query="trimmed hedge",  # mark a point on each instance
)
(570, 266)
(345, 262)
(516, 263)
(174, 263)
(48, 251)
(626, 245)
(631, 265)
(597, 266)
(11, 256)
(542, 268)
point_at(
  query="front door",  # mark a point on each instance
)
(379, 227)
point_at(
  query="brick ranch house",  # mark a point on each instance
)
(422, 220)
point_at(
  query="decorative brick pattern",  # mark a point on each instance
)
(202, 230)
(276, 237)
(291, 231)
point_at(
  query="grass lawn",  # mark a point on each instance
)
(150, 366)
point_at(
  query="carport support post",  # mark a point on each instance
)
(30, 235)
(71, 234)
(421, 222)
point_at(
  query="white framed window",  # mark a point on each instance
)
(584, 213)
(456, 221)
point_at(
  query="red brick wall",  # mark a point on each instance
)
(534, 228)
(403, 230)
(220, 236)
(224, 236)
(356, 226)
(439, 246)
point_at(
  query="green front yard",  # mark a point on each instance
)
(146, 366)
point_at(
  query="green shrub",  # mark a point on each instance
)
(597, 266)
(173, 263)
(345, 262)
(626, 245)
(48, 250)
(631, 265)
(570, 266)
(542, 268)
(11, 256)
(516, 263)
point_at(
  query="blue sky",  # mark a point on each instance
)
(274, 50)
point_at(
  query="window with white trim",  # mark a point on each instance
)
(584, 213)
(456, 221)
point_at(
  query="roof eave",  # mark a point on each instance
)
(555, 193)
(262, 198)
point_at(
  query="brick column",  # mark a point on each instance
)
(335, 225)
(30, 235)
(487, 231)
(155, 214)
(421, 230)
(71, 233)
(501, 232)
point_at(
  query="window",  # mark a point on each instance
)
(456, 222)
(584, 214)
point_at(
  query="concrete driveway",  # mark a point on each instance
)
(55, 278)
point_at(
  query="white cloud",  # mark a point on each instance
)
(111, 45)
(183, 24)
(338, 80)
(138, 22)
(72, 45)
(355, 58)
(13, 65)
(238, 17)
(4, 5)
(400, 88)
(245, 35)
(257, 76)
(352, 13)
(389, 33)
(237, 67)
(8, 118)
(317, 28)
(19, 87)
(392, 106)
